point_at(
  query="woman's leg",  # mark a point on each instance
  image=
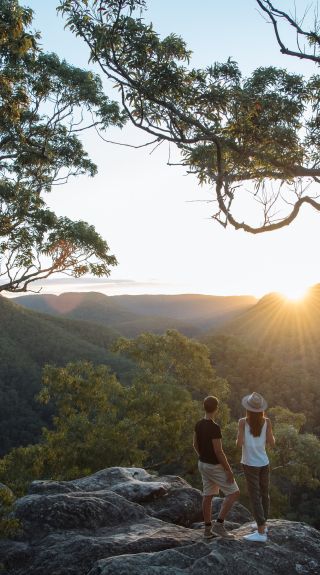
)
(264, 489)
(252, 475)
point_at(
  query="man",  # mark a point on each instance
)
(215, 470)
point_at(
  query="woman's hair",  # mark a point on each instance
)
(255, 421)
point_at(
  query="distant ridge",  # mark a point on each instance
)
(202, 309)
(131, 314)
(276, 322)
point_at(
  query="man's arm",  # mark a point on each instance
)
(240, 438)
(270, 440)
(221, 457)
(195, 444)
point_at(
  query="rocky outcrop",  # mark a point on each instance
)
(125, 521)
(292, 549)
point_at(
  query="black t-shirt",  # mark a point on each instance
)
(206, 430)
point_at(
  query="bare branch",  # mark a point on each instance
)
(273, 13)
(128, 145)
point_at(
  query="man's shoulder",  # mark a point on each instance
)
(208, 423)
(216, 426)
(200, 422)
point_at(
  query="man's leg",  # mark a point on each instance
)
(218, 526)
(207, 496)
(228, 501)
(232, 493)
(206, 508)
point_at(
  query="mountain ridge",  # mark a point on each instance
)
(189, 313)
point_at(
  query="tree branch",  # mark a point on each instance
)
(272, 12)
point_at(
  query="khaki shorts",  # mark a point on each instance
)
(214, 478)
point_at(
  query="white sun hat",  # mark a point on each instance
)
(254, 402)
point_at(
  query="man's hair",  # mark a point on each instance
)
(210, 404)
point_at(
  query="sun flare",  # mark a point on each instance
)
(294, 293)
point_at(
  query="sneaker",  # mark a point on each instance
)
(208, 533)
(219, 529)
(256, 536)
(255, 527)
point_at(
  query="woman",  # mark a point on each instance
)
(255, 431)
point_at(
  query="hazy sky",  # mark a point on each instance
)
(149, 213)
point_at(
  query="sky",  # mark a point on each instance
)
(157, 220)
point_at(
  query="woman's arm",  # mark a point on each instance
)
(240, 438)
(270, 440)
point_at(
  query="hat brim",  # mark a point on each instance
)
(247, 406)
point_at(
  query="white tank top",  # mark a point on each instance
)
(254, 448)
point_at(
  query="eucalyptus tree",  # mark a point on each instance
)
(257, 134)
(45, 105)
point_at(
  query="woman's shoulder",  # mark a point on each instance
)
(242, 421)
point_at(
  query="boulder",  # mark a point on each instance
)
(73, 552)
(181, 506)
(169, 498)
(41, 514)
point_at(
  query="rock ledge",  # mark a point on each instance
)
(125, 521)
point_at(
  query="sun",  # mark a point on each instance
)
(294, 293)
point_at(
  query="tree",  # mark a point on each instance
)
(295, 461)
(283, 416)
(45, 105)
(91, 428)
(260, 132)
(166, 396)
(9, 526)
(176, 360)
